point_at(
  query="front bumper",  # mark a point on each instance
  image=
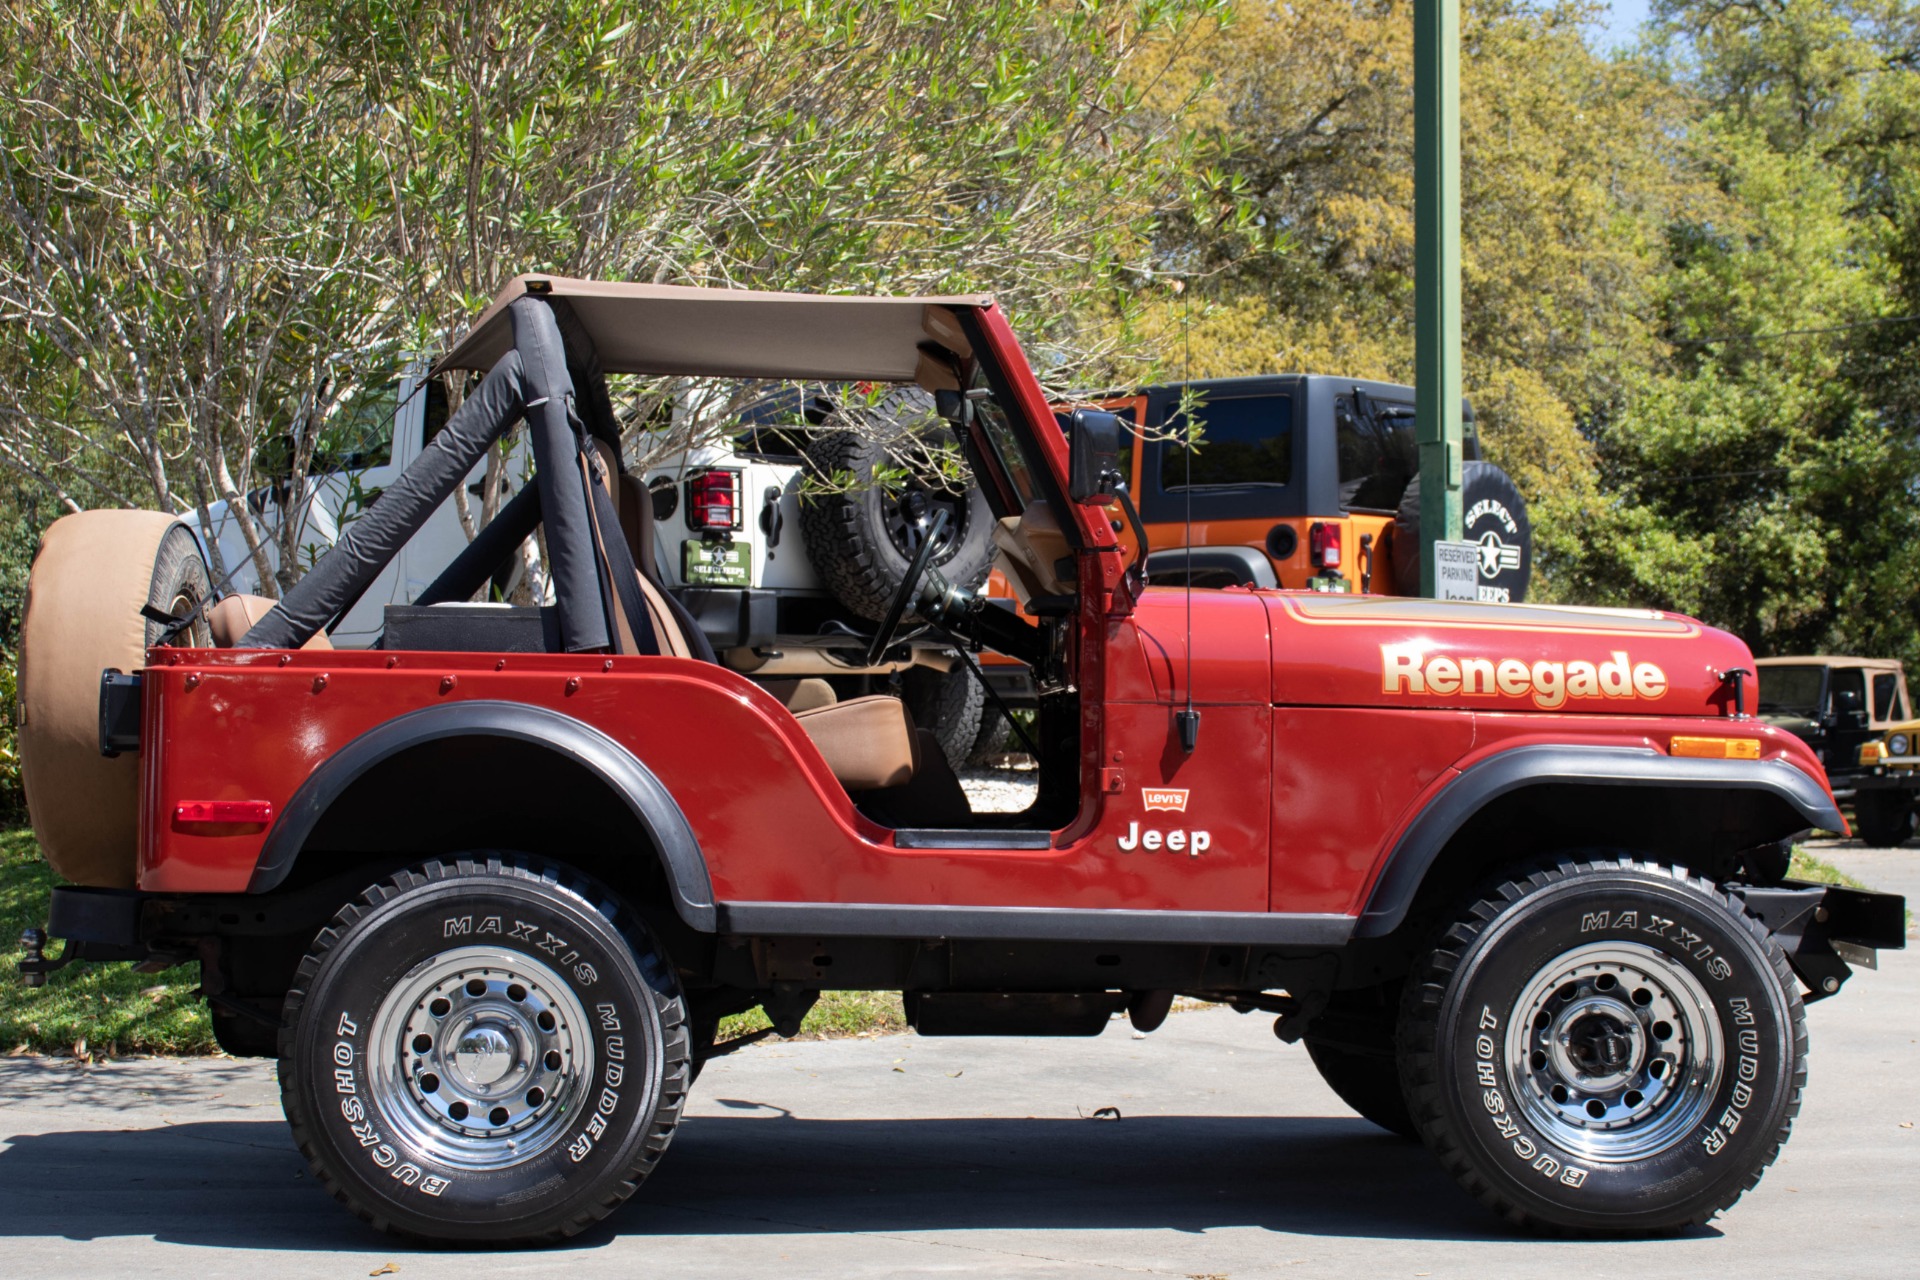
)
(1827, 930)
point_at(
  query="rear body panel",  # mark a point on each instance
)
(1308, 767)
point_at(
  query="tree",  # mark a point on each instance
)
(1569, 173)
(223, 225)
(1765, 476)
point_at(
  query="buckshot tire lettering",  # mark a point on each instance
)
(461, 1065)
(1631, 1066)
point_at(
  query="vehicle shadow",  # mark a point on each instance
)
(242, 1184)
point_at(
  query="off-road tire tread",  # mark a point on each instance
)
(1420, 1016)
(839, 540)
(656, 976)
(949, 704)
(1345, 1072)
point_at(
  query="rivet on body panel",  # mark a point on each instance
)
(500, 665)
(320, 682)
(607, 665)
(573, 685)
(285, 658)
(446, 684)
(392, 662)
(193, 678)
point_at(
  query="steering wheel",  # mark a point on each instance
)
(909, 588)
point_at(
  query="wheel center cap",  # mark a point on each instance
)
(483, 1056)
(1598, 1044)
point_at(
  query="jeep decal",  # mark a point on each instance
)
(1178, 840)
(1407, 668)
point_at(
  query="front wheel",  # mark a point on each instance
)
(1885, 818)
(1605, 1046)
(485, 1052)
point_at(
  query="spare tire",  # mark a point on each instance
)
(1494, 516)
(861, 535)
(91, 577)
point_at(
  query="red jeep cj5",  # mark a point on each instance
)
(1514, 874)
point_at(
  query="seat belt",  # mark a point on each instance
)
(616, 560)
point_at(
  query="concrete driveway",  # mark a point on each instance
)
(901, 1156)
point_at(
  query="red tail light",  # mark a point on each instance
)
(1323, 545)
(713, 501)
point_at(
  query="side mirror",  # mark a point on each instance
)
(951, 405)
(1093, 437)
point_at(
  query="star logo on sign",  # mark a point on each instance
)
(1495, 555)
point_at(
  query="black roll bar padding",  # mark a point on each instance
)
(586, 619)
(481, 559)
(341, 576)
(530, 381)
(595, 403)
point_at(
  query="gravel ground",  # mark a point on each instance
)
(1006, 790)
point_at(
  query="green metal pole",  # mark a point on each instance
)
(1436, 256)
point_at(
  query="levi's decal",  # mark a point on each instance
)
(1169, 799)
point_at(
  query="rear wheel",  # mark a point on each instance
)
(484, 1052)
(1352, 1047)
(1604, 1046)
(1885, 818)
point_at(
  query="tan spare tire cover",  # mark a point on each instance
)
(92, 575)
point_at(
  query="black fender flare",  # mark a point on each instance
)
(651, 803)
(1418, 847)
(1249, 566)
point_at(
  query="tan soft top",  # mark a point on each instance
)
(730, 333)
(1830, 660)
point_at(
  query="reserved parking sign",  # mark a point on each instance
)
(1455, 571)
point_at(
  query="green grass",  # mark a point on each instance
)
(1807, 867)
(107, 1010)
(85, 1010)
(838, 1013)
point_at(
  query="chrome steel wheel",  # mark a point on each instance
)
(480, 1057)
(1614, 1051)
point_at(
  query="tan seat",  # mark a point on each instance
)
(233, 616)
(867, 742)
(800, 693)
(1032, 547)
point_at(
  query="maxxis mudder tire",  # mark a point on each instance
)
(1885, 818)
(485, 1051)
(1351, 1044)
(1528, 1040)
(853, 532)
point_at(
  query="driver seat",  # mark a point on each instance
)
(869, 743)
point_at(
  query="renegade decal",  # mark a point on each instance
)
(1191, 843)
(1406, 668)
(1163, 798)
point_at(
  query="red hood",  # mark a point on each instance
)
(1373, 651)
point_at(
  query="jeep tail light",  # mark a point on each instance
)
(1323, 545)
(713, 502)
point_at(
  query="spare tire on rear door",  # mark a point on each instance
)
(94, 574)
(862, 533)
(1494, 518)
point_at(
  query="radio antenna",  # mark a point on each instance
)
(1187, 721)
